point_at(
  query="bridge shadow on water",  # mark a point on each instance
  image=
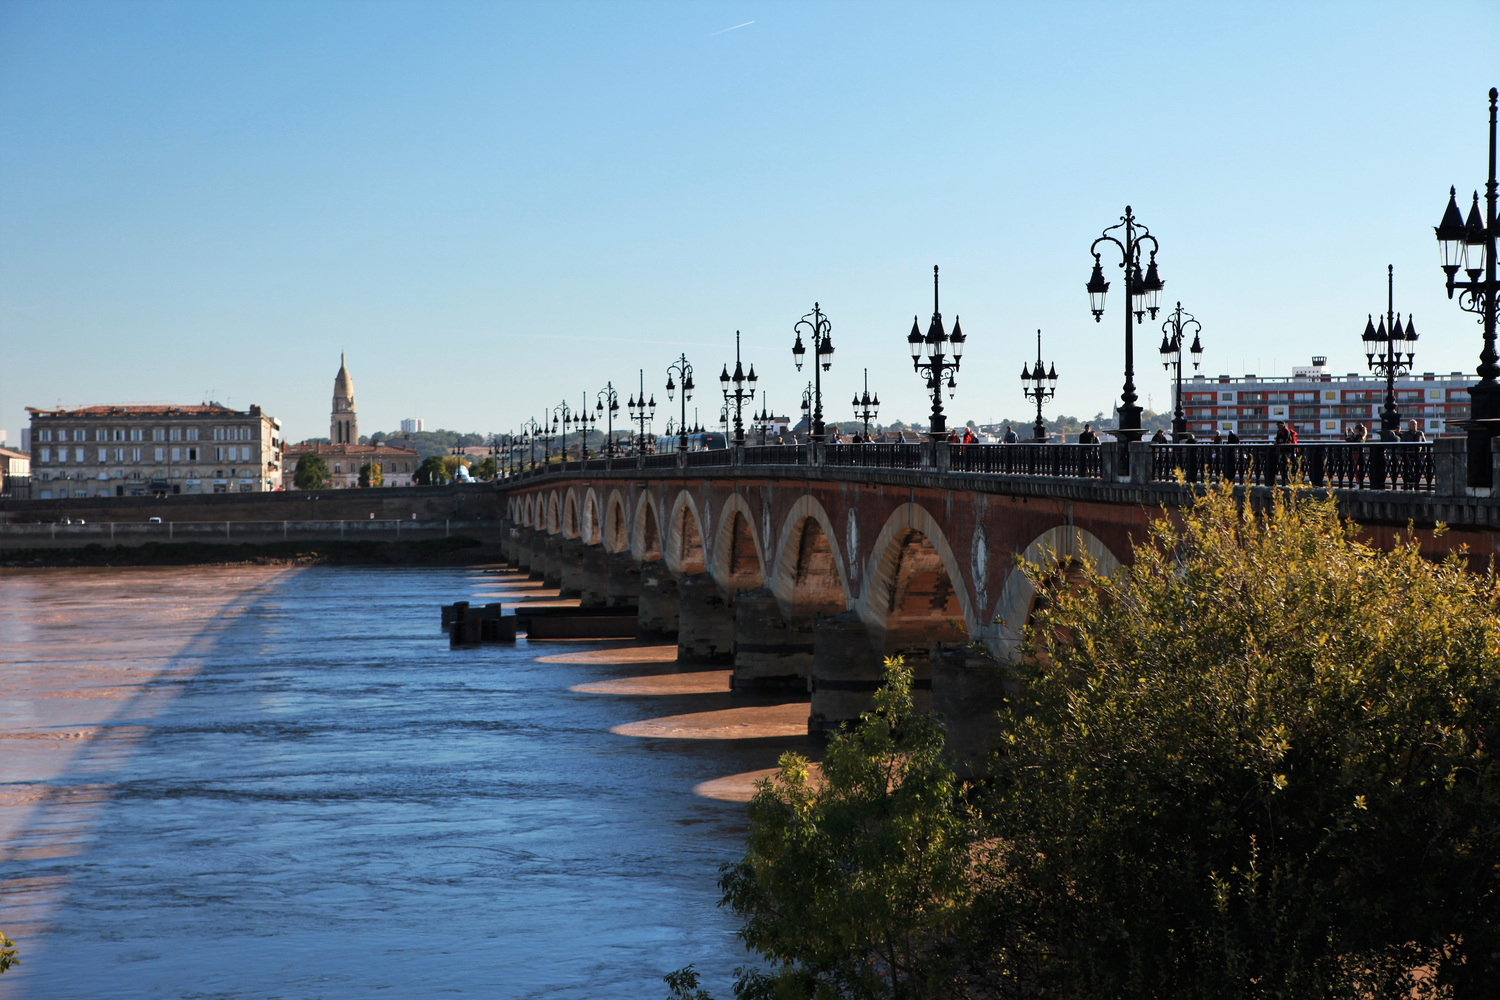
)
(312, 795)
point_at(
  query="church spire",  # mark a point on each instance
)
(343, 427)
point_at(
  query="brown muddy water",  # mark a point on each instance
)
(267, 782)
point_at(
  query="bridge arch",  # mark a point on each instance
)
(589, 528)
(570, 520)
(684, 551)
(646, 538)
(915, 596)
(615, 533)
(808, 573)
(554, 516)
(1018, 597)
(737, 563)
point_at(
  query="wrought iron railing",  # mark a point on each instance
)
(775, 454)
(876, 455)
(667, 460)
(1387, 465)
(713, 456)
(1076, 460)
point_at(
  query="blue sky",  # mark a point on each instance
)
(493, 207)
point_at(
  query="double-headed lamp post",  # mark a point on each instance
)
(816, 325)
(609, 405)
(866, 406)
(807, 408)
(532, 429)
(584, 422)
(1385, 356)
(1173, 331)
(1142, 295)
(944, 352)
(562, 415)
(743, 390)
(1040, 384)
(642, 413)
(1470, 247)
(683, 373)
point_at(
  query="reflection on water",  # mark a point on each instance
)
(250, 783)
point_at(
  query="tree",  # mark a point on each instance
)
(1253, 764)
(370, 475)
(486, 469)
(9, 956)
(311, 472)
(432, 472)
(451, 465)
(848, 880)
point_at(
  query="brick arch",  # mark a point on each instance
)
(1013, 606)
(570, 520)
(808, 575)
(554, 515)
(615, 533)
(737, 563)
(646, 539)
(589, 528)
(914, 589)
(684, 550)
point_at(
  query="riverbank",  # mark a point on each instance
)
(454, 551)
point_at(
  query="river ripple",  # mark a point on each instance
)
(247, 783)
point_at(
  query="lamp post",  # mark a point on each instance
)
(1142, 294)
(584, 423)
(684, 373)
(816, 325)
(938, 345)
(867, 407)
(532, 429)
(763, 418)
(641, 413)
(1470, 247)
(1383, 354)
(739, 394)
(608, 396)
(807, 408)
(562, 414)
(1040, 385)
(1172, 333)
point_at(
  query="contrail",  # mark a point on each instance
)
(745, 25)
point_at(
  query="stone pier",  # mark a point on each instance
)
(569, 567)
(969, 689)
(705, 629)
(551, 565)
(658, 600)
(623, 589)
(594, 584)
(770, 653)
(847, 671)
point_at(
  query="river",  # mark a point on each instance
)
(271, 782)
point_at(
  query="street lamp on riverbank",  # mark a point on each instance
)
(1040, 385)
(608, 396)
(944, 352)
(641, 413)
(739, 394)
(1470, 247)
(1142, 293)
(867, 407)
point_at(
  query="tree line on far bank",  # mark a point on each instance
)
(312, 471)
(1257, 762)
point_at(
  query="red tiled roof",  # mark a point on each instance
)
(153, 410)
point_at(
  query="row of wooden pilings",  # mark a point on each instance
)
(831, 658)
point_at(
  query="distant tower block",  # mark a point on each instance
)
(411, 425)
(343, 425)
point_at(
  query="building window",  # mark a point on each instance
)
(192, 433)
(218, 433)
(119, 454)
(46, 454)
(119, 434)
(245, 454)
(176, 433)
(44, 436)
(176, 454)
(192, 454)
(218, 454)
(135, 454)
(161, 454)
(158, 434)
(135, 434)
(78, 455)
(103, 455)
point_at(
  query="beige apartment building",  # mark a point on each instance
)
(107, 451)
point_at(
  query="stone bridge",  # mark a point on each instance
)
(804, 567)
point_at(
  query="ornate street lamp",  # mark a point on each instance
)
(817, 326)
(1470, 247)
(1384, 354)
(1142, 295)
(1172, 333)
(944, 354)
(532, 429)
(562, 414)
(739, 394)
(807, 408)
(584, 423)
(608, 396)
(867, 407)
(1039, 384)
(642, 412)
(684, 373)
